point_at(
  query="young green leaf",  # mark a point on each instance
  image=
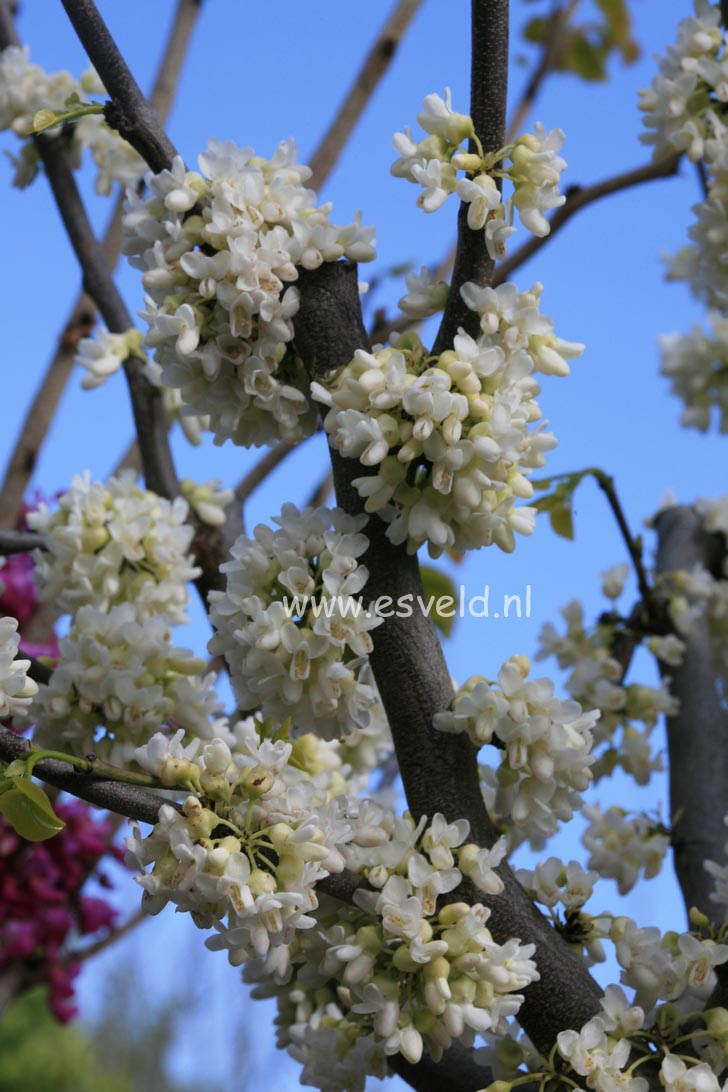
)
(29, 811)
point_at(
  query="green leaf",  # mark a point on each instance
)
(619, 28)
(562, 519)
(29, 811)
(437, 585)
(584, 58)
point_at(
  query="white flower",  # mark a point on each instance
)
(614, 579)
(101, 355)
(218, 251)
(292, 629)
(17, 690)
(25, 89)
(450, 438)
(423, 297)
(439, 119)
(108, 544)
(121, 674)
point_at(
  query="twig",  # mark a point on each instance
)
(81, 320)
(264, 466)
(19, 542)
(634, 549)
(130, 460)
(578, 198)
(129, 800)
(146, 399)
(375, 65)
(80, 955)
(320, 491)
(128, 112)
(488, 93)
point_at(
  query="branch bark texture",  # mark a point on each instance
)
(697, 735)
(129, 112)
(488, 94)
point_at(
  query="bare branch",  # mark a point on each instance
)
(130, 460)
(19, 542)
(128, 112)
(81, 319)
(488, 92)
(578, 198)
(367, 79)
(697, 736)
(42, 410)
(129, 800)
(81, 955)
(320, 491)
(175, 51)
(146, 399)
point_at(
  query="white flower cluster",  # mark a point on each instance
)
(532, 165)
(692, 79)
(115, 557)
(220, 251)
(112, 543)
(268, 818)
(623, 847)
(546, 746)
(552, 883)
(246, 864)
(596, 681)
(600, 1052)
(719, 872)
(447, 441)
(395, 974)
(25, 89)
(120, 673)
(669, 967)
(685, 111)
(697, 365)
(16, 689)
(292, 628)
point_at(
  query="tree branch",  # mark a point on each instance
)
(367, 79)
(578, 198)
(129, 800)
(697, 735)
(146, 399)
(19, 542)
(439, 771)
(128, 112)
(81, 319)
(458, 1068)
(488, 92)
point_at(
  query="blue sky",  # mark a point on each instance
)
(257, 74)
